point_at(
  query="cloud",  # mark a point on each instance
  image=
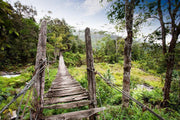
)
(92, 7)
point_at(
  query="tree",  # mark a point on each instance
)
(124, 11)
(18, 35)
(175, 31)
(59, 36)
(169, 23)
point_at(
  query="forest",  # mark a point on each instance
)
(146, 68)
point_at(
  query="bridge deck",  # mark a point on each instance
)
(65, 92)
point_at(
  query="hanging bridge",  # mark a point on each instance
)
(65, 92)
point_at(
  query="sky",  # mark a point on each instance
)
(81, 14)
(77, 13)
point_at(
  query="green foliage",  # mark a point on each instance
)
(50, 74)
(19, 34)
(154, 97)
(109, 50)
(72, 59)
(134, 112)
(175, 91)
(106, 95)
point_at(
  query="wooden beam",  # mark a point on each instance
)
(38, 90)
(75, 115)
(67, 88)
(65, 82)
(49, 101)
(55, 86)
(63, 86)
(69, 105)
(64, 93)
(90, 72)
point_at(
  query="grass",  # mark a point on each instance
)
(138, 76)
(106, 96)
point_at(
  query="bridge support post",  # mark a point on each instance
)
(38, 90)
(90, 72)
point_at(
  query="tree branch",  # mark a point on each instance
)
(178, 30)
(176, 9)
(152, 33)
(155, 17)
(169, 8)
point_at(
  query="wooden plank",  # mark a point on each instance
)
(48, 101)
(67, 88)
(65, 82)
(61, 85)
(75, 115)
(64, 77)
(64, 93)
(69, 105)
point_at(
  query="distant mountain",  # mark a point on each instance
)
(95, 35)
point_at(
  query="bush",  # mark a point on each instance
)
(72, 59)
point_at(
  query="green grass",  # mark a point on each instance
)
(106, 96)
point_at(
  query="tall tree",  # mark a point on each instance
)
(59, 35)
(18, 35)
(174, 12)
(123, 10)
(167, 13)
(129, 11)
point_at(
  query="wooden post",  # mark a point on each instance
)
(38, 90)
(90, 72)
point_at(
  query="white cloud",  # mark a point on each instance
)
(93, 6)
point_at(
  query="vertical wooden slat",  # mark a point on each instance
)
(90, 73)
(39, 83)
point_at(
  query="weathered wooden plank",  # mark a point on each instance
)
(75, 115)
(66, 88)
(62, 69)
(65, 82)
(64, 93)
(69, 105)
(48, 101)
(64, 77)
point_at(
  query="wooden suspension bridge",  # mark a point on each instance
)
(65, 92)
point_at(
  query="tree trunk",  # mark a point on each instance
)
(163, 31)
(175, 31)
(179, 91)
(116, 50)
(168, 79)
(129, 10)
(40, 81)
(90, 72)
(170, 66)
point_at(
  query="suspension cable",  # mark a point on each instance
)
(28, 85)
(123, 92)
(19, 108)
